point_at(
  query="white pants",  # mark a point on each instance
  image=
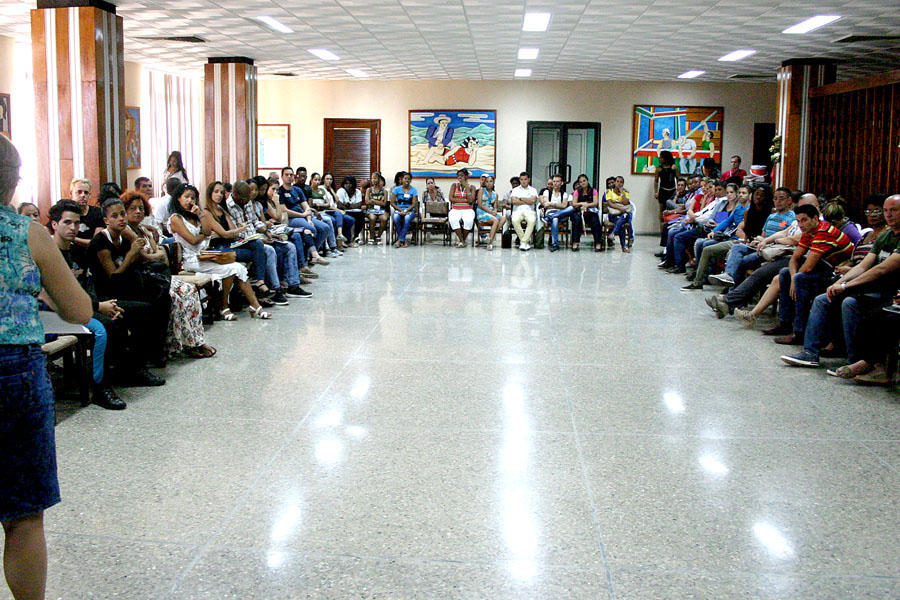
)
(467, 216)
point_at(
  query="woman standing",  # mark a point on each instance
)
(462, 216)
(665, 184)
(489, 210)
(28, 483)
(175, 168)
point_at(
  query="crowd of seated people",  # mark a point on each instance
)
(833, 284)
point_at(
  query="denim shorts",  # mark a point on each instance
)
(28, 481)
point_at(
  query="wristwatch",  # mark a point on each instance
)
(843, 287)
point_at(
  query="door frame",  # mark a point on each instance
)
(564, 127)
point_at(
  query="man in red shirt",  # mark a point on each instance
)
(822, 247)
(736, 170)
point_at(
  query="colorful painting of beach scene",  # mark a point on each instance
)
(443, 141)
(690, 133)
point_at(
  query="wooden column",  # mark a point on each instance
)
(79, 93)
(230, 127)
(795, 78)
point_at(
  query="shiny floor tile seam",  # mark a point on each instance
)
(890, 467)
(586, 479)
(170, 594)
(764, 572)
(119, 539)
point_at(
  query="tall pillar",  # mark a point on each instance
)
(79, 94)
(230, 127)
(795, 78)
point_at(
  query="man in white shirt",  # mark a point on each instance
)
(160, 206)
(523, 200)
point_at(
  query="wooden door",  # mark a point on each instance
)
(352, 147)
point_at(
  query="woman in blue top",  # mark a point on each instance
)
(488, 209)
(404, 201)
(29, 259)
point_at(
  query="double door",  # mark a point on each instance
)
(565, 148)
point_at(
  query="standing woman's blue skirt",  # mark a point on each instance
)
(28, 481)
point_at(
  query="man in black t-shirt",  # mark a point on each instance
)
(91, 218)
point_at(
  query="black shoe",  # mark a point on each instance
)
(279, 298)
(145, 378)
(780, 329)
(554, 248)
(660, 254)
(676, 271)
(105, 397)
(693, 286)
(575, 249)
(265, 301)
(297, 292)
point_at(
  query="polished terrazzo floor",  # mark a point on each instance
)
(444, 423)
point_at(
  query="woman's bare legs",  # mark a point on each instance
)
(247, 291)
(25, 557)
(768, 298)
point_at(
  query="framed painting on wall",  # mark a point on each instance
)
(132, 137)
(273, 147)
(443, 141)
(5, 118)
(690, 133)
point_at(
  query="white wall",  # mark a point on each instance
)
(304, 104)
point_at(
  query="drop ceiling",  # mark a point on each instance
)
(479, 39)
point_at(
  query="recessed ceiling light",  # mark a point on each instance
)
(528, 53)
(737, 55)
(275, 24)
(324, 54)
(536, 22)
(812, 24)
(523, 73)
(691, 74)
(357, 72)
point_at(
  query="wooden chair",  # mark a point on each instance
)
(435, 220)
(74, 352)
(565, 230)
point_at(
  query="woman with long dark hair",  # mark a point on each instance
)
(175, 168)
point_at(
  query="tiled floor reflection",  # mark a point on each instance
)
(441, 423)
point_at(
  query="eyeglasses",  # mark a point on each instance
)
(873, 211)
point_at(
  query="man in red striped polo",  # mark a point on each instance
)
(822, 247)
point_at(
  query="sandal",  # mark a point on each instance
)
(227, 315)
(846, 372)
(259, 313)
(203, 351)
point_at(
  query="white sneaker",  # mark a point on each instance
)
(723, 278)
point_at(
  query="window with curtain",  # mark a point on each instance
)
(175, 114)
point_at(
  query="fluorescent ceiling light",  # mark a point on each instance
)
(737, 55)
(536, 22)
(324, 54)
(812, 24)
(357, 72)
(528, 53)
(275, 24)
(691, 74)
(523, 72)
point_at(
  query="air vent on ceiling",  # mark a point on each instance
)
(284, 74)
(858, 39)
(752, 77)
(185, 39)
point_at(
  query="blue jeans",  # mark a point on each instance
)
(553, 217)
(255, 253)
(299, 248)
(344, 222)
(402, 223)
(316, 227)
(621, 222)
(741, 259)
(683, 239)
(272, 268)
(328, 223)
(98, 354)
(700, 244)
(287, 263)
(806, 287)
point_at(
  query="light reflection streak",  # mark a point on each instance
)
(674, 402)
(713, 465)
(773, 540)
(329, 451)
(361, 387)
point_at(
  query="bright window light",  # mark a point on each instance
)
(357, 72)
(536, 22)
(528, 53)
(812, 24)
(324, 54)
(691, 74)
(523, 72)
(737, 55)
(275, 24)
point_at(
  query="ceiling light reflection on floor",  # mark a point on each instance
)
(275, 559)
(713, 465)
(330, 419)
(329, 451)
(285, 524)
(673, 402)
(361, 387)
(773, 540)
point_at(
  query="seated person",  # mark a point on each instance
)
(185, 333)
(462, 215)
(333, 243)
(834, 213)
(160, 206)
(523, 200)
(822, 247)
(405, 203)
(193, 237)
(618, 202)
(557, 206)
(349, 203)
(876, 340)
(489, 210)
(91, 219)
(861, 291)
(513, 184)
(117, 268)
(282, 274)
(701, 223)
(376, 207)
(246, 217)
(31, 211)
(301, 216)
(586, 202)
(723, 236)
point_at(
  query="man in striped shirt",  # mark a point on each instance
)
(822, 247)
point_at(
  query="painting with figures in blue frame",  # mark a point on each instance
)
(443, 141)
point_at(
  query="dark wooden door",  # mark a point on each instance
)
(352, 147)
